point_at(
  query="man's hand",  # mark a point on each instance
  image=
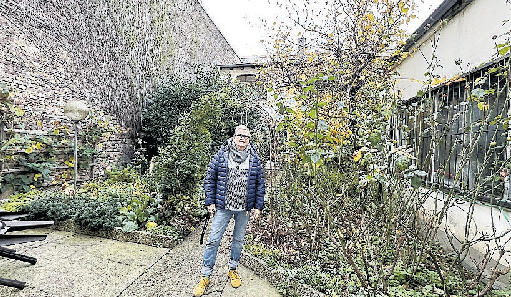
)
(256, 213)
(212, 210)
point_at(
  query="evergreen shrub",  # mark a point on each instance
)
(84, 209)
(172, 100)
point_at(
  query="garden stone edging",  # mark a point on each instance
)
(275, 277)
(142, 237)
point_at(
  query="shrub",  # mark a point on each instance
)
(181, 164)
(170, 231)
(137, 199)
(93, 214)
(50, 205)
(172, 100)
(16, 202)
(87, 211)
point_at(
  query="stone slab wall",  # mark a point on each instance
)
(110, 53)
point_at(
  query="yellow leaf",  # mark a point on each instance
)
(37, 175)
(38, 145)
(56, 131)
(437, 81)
(483, 106)
(357, 155)
(29, 150)
(150, 225)
(39, 124)
(371, 16)
(18, 111)
(70, 162)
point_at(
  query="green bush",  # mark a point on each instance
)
(123, 175)
(55, 206)
(170, 101)
(136, 195)
(87, 211)
(93, 214)
(170, 231)
(180, 165)
(16, 202)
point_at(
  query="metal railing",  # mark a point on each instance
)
(460, 134)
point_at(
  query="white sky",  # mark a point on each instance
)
(238, 21)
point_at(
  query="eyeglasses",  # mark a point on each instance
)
(243, 136)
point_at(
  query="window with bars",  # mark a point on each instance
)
(460, 133)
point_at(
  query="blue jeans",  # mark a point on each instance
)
(218, 226)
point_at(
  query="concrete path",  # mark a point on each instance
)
(74, 265)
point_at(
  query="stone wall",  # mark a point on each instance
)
(110, 53)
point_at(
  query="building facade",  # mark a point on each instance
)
(454, 85)
(109, 53)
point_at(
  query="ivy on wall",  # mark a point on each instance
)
(35, 158)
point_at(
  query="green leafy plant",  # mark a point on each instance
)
(95, 214)
(170, 101)
(85, 210)
(139, 209)
(180, 165)
(16, 202)
(138, 202)
(170, 231)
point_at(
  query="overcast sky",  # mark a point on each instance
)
(238, 21)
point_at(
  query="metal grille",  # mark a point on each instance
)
(459, 132)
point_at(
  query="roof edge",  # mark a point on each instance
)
(242, 65)
(446, 9)
(216, 26)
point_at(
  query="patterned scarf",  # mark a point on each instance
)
(236, 155)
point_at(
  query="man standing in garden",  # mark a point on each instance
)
(234, 187)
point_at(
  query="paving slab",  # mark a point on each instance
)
(75, 265)
(177, 273)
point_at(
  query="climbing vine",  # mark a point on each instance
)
(32, 159)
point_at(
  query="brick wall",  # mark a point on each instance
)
(110, 53)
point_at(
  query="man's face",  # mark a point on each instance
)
(241, 139)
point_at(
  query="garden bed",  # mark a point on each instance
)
(141, 237)
(275, 276)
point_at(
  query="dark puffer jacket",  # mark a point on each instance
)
(215, 182)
